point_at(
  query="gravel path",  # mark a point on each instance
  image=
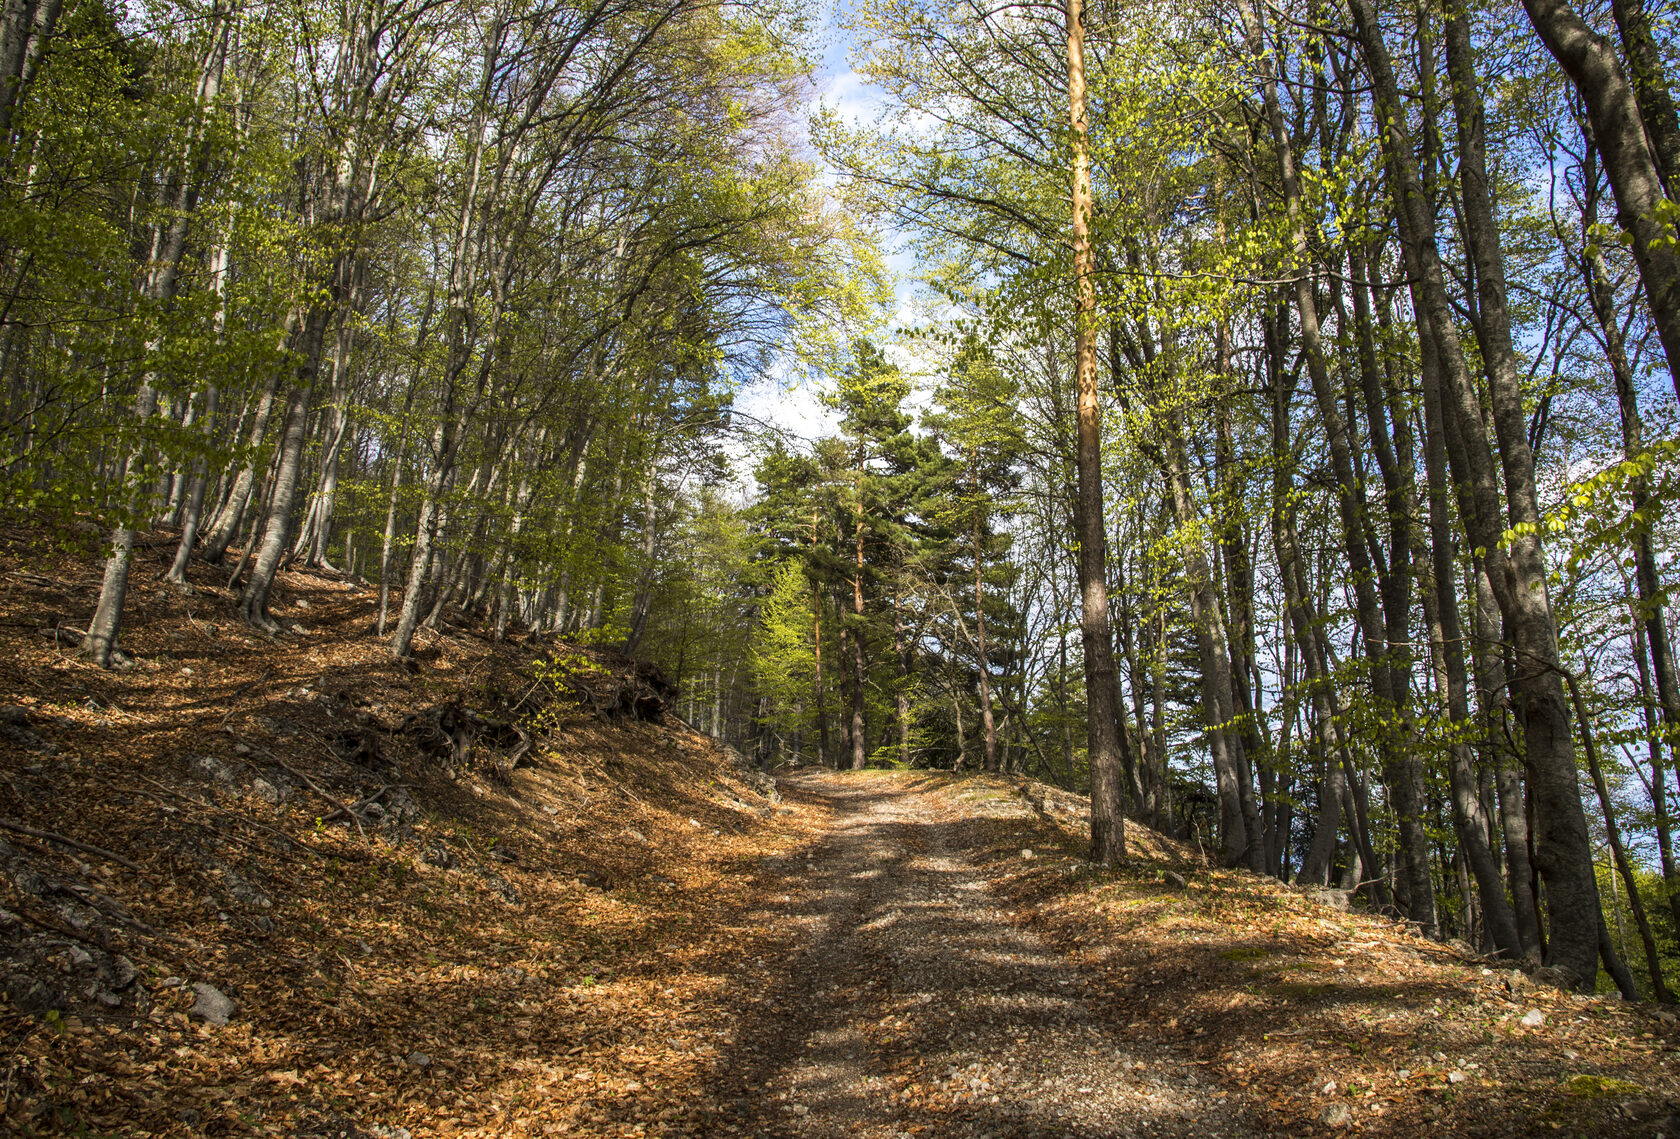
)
(908, 1003)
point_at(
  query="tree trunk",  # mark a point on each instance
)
(1651, 610)
(1562, 850)
(988, 727)
(1619, 128)
(1108, 819)
(253, 603)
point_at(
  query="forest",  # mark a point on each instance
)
(1282, 447)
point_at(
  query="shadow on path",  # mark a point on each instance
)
(913, 1006)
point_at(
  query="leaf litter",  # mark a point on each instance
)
(591, 944)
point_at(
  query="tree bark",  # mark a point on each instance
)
(1619, 128)
(1108, 819)
(1563, 852)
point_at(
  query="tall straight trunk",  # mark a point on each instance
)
(193, 508)
(1650, 88)
(988, 727)
(253, 603)
(1619, 128)
(316, 534)
(860, 742)
(823, 749)
(390, 534)
(1618, 851)
(226, 526)
(1102, 704)
(962, 738)
(1238, 594)
(1302, 624)
(1389, 685)
(845, 674)
(1219, 704)
(509, 556)
(168, 249)
(193, 514)
(1651, 610)
(1563, 852)
(26, 27)
(1446, 637)
(426, 530)
(901, 692)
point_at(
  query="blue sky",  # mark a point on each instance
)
(795, 408)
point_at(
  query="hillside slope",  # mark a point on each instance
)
(613, 928)
(471, 952)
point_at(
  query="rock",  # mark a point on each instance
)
(1175, 880)
(503, 888)
(636, 836)
(239, 888)
(264, 791)
(212, 1005)
(1456, 1077)
(1516, 981)
(401, 808)
(697, 824)
(1336, 1115)
(1026, 853)
(26, 879)
(419, 1060)
(1554, 976)
(1335, 899)
(1533, 1018)
(216, 772)
(30, 995)
(1329, 1088)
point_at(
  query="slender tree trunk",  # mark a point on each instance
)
(253, 603)
(26, 27)
(226, 526)
(901, 692)
(1619, 128)
(1108, 818)
(1400, 770)
(1562, 850)
(1653, 960)
(823, 749)
(860, 672)
(1651, 610)
(988, 727)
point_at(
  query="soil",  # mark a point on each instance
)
(634, 934)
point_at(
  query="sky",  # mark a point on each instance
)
(785, 401)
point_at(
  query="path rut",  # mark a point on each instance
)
(909, 1001)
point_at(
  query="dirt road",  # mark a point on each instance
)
(910, 1003)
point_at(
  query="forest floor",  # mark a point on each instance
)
(636, 935)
